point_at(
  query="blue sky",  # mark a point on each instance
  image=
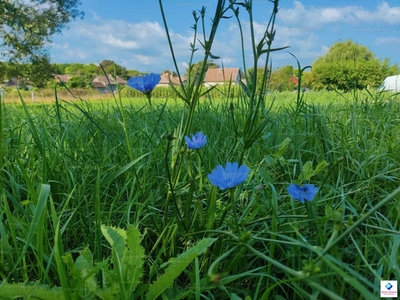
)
(132, 33)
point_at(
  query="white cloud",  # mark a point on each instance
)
(387, 40)
(387, 14)
(119, 43)
(137, 45)
(351, 14)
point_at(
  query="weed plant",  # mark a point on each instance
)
(106, 201)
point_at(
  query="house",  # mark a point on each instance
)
(106, 84)
(165, 80)
(295, 80)
(20, 83)
(62, 78)
(222, 76)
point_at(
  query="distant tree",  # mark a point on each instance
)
(27, 26)
(39, 71)
(76, 82)
(390, 69)
(306, 79)
(250, 75)
(3, 70)
(193, 71)
(110, 67)
(282, 79)
(348, 65)
(90, 69)
(134, 73)
(59, 68)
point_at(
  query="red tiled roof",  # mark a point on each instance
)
(165, 78)
(102, 81)
(61, 77)
(295, 80)
(221, 75)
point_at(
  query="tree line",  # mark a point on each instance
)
(346, 65)
(41, 73)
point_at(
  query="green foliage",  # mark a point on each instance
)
(77, 82)
(177, 266)
(29, 291)
(127, 258)
(110, 67)
(250, 76)
(39, 71)
(193, 72)
(119, 279)
(26, 27)
(348, 65)
(78, 69)
(282, 79)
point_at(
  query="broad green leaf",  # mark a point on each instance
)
(264, 174)
(133, 259)
(115, 237)
(269, 160)
(235, 297)
(282, 148)
(320, 167)
(85, 263)
(177, 266)
(127, 257)
(306, 171)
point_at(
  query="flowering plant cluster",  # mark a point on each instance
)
(224, 178)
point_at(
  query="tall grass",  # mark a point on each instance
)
(79, 153)
(104, 200)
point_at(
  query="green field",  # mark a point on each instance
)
(102, 199)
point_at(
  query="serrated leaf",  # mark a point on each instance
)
(178, 265)
(30, 291)
(115, 237)
(133, 259)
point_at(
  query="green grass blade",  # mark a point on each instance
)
(40, 206)
(178, 265)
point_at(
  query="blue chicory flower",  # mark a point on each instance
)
(229, 177)
(305, 192)
(145, 84)
(197, 141)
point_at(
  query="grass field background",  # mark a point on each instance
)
(70, 167)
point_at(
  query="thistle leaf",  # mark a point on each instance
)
(177, 266)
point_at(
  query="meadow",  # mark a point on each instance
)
(93, 207)
(249, 195)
